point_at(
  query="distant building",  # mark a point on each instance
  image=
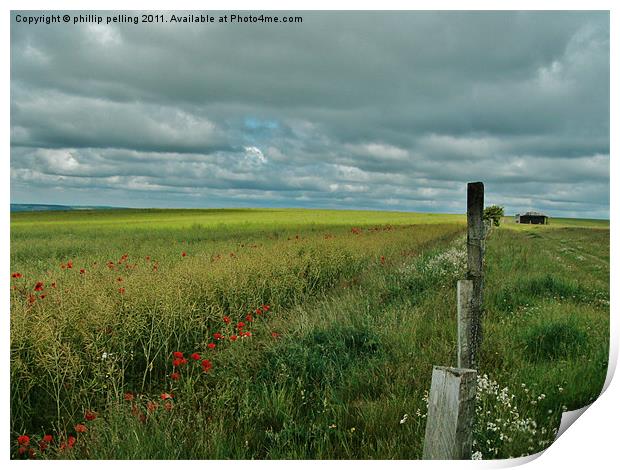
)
(532, 218)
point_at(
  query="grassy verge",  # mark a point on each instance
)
(341, 369)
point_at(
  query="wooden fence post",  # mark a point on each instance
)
(451, 408)
(465, 290)
(475, 256)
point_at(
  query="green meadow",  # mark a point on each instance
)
(299, 334)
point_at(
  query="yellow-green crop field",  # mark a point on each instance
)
(290, 334)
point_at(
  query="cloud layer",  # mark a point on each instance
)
(390, 111)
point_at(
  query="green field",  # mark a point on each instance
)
(361, 305)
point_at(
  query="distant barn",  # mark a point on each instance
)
(531, 218)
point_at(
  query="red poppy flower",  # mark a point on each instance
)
(22, 450)
(121, 290)
(165, 396)
(80, 428)
(175, 376)
(16, 275)
(70, 264)
(206, 365)
(82, 271)
(240, 325)
(151, 406)
(178, 354)
(48, 438)
(195, 356)
(275, 335)
(248, 317)
(31, 299)
(217, 335)
(168, 405)
(42, 296)
(148, 258)
(119, 279)
(32, 454)
(176, 362)
(128, 396)
(184, 254)
(42, 446)
(155, 266)
(23, 440)
(226, 320)
(233, 337)
(211, 345)
(258, 311)
(246, 333)
(383, 260)
(38, 286)
(90, 415)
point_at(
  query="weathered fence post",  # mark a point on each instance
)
(451, 407)
(452, 399)
(464, 293)
(475, 256)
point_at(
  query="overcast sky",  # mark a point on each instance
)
(393, 111)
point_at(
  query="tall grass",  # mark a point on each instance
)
(340, 365)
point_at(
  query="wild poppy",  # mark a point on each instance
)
(80, 428)
(233, 337)
(240, 325)
(217, 335)
(16, 275)
(82, 271)
(211, 345)
(48, 438)
(175, 376)
(246, 333)
(121, 290)
(176, 362)
(31, 299)
(249, 318)
(178, 354)
(69, 264)
(195, 356)
(90, 415)
(23, 440)
(168, 405)
(275, 335)
(38, 286)
(206, 365)
(151, 406)
(226, 320)
(258, 311)
(128, 396)
(42, 296)
(71, 441)
(22, 450)
(165, 396)
(183, 254)
(32, 454)
(119, 279)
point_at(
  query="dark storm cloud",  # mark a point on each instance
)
(362, 110)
